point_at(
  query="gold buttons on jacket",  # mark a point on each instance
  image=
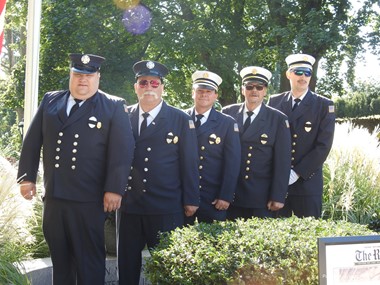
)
(248, 162)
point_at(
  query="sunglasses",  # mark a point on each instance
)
(144, 83)
(302, 72)
(251, 87)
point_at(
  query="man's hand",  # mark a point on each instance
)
(28, 190)
(190, 210)
(274, 206)
(221, 204)
(111, 201)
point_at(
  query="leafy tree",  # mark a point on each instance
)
(222, 36)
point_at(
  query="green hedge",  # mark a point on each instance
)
(256, 251)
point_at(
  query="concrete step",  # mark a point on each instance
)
(40, 271)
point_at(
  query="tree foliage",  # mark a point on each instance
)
(222, 36)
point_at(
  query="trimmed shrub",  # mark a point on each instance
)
(255, 251)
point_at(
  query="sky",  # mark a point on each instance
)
(369, 67)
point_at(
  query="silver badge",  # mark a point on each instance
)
(169, 138)
(85, 59)
(92, 122)
(212, 139)
(150, 64)
(264, 138)
(308, 126)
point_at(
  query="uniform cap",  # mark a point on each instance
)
(206, 79)
(149, 68)
(85, 63)
(300, 60)
(255, 73)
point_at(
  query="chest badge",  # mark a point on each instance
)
(264, 139)
(93, 122)
(308, 127)
(171, 138)
(214, 139)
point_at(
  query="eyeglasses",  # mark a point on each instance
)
(251, 87)
(302, 72)
(144, 83)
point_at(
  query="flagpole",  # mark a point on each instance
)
(32, 61)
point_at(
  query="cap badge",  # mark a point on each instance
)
(150, 64)
(254, 71)
(205, 75)
(305, 58)
(85, 59)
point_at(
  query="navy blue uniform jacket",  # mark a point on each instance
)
(84, 155)
(312, 126)
(219, 154)
(265, 157)
(164, 175)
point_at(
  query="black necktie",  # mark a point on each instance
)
(144, 123)
(75, 106)
(296, 103)
(247, 121)
(198, 122)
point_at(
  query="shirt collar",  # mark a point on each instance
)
(152, 113)
(205, 114)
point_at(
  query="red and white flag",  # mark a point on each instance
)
(2, 21)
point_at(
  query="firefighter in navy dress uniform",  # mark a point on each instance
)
(265, 150)
(88, 145)
(218, 149)
(164, 181)
(312, 123)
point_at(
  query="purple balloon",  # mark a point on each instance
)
(137, 20)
